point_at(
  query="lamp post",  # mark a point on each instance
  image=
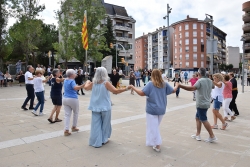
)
(243, 59)
(49, 54)
(210, 20)
(168, 54)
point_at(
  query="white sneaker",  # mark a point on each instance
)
(156, 149)
(34, 112)
(41, 113)
(211, 140)
(198, 138)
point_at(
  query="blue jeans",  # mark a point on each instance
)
(177, 92)
(138, 82)
(201, 114)
(40, 97)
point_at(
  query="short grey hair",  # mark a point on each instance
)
(54, 72)
(28, 67)
(70, 72)
(202, 72)
(101, 74)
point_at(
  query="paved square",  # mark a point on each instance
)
(26, 140)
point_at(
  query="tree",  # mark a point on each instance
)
(27, 28)
(230, 67)
(222, 67)
(3, 33)
(110, 39)
(70, 27)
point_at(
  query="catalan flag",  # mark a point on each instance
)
(85, 32)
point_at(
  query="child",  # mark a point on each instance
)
(177, 79)
(132, 81)
(193, 81)
(39, 89)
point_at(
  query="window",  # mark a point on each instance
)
(195, 56)
(187, 57)
(194, 48)
(180, 50)
(129, 25)
(186, 34)
(202, 41)
(175, 50)
(175, 57)
(180, 35)
(194, 63)
(187, 64)
(180, 28)
(194, 33)
(180, 64)
(174, 36)
(175, 43)
(180, 42)
(186, 41)
(186, 26)
(130, 35)
(194, 26)
(201, 33)
(187, 49)
(202, 26)
(180, 57)
(202, 56)
(195, 41)
(202, 64)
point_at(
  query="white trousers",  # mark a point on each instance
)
(225, 105)
(70, 105)
(153, 136)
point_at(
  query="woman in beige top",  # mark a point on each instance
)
(8, 78)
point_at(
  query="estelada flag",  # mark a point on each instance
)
(85, 32)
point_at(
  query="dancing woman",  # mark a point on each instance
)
(156, 92)
(217, 95)
(100, 105)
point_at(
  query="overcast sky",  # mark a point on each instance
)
(149, 14)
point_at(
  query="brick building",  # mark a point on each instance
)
(141, 52)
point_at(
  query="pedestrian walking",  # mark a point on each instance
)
(233, 106)
(100, 105)
(132, 79)
(56, 95)
(39, 91)
(29, 87)
(178, 80)
(18, 66)
(70, 101)
(138, 76)
(193, 81)
(186, 77)
(217, 95)
(203, 89)
(78, 81)
(146, 78)
(227, 94)
(156, 92)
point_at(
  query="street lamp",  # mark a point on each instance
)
(210, 20)
(243, 59)
(49, 54)
(168, 54)
(116, 45)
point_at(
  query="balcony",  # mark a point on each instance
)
(247, 46)
(247, 56)
(246, 27)
(123, 38)
(246, 17)
(122, 27)
(246, 6)
(246, 36)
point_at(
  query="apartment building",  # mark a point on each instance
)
(124, 30)
(141, 52)
(158, 48)
(246, 33)
(233, 56)
(189, 40)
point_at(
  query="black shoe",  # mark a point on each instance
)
(83, 93)
(236, 114)
(31, 108)
(24, 108)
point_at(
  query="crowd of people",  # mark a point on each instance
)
(219, 89)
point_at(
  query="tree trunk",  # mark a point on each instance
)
(1, 63)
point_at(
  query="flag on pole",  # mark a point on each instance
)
(85, 32)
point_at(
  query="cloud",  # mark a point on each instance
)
(149, 14)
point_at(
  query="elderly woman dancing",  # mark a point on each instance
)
(156, 92)
(70, 101)
(100, 105)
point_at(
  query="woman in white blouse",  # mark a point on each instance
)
(217, 95)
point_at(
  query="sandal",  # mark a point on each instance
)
(67, 133)
(50, 120)
(214, 127)
(233, 118)
(224, 126)
(58, 120)
(74, 129)
(226, 119)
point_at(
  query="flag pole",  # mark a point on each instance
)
(86, 56)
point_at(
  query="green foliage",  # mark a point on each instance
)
(70, 26)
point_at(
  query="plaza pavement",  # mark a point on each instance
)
(26, 140)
